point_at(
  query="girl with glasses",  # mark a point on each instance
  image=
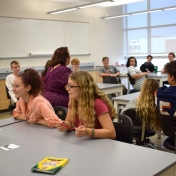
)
(89, 110)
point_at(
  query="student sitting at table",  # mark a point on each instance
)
(145, 105)
(32, 107)
(89, 110)
(166, 96)
(43, 73)
(147, 66)
(136, 75)
(75, 63)
(57, 77)
(15, 67)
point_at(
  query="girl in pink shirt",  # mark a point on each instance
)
(31, 106)
(89, 110)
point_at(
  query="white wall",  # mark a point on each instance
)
(106, 36)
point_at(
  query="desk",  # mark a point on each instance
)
(158, 76)
(95, 157)
(123, 100)
(111, 88)
(8, 121)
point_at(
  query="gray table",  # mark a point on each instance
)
(158, 76)
(88, 157)
(111, 88)
(8, 121)
(123, 100)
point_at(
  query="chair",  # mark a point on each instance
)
(168, 124)
(132, 81)
(111, 80)
(61, 112)
(141, 134)
(124, 129)
(12, 106)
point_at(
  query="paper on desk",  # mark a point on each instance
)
(8, 147)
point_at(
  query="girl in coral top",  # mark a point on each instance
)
(89, 110)
(32, 107)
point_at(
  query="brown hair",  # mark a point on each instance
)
(14, 62)
(75, 61)
(43, 73)
(60, 56)
(172, 54)
(32, 78)
(105, 58)
(170, 68)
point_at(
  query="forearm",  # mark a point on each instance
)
(100, 133)
(136, 76)
(44, 123)
(105, 74)
(117, 74)
(20, 117)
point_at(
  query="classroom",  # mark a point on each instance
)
(117, 29)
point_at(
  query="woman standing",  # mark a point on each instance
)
(57, 77)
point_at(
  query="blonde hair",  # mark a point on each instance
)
(75, 61)
(89, 92)
(146, 108)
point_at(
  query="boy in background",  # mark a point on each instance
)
(15, 67)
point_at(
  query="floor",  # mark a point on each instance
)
(157, 142)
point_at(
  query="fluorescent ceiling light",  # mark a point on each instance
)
(172, 8)
(93, 4)
(151, 11)
(61, 11)
(110, 17)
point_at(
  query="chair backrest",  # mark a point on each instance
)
(168, 124)
(132, 81)
(124, 129)
(132, 114)
(111, 80)
(61, 112)
(7, 92)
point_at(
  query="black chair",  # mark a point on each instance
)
(141, 133)
(12, 106)
(111, 80)
(168, 124)
(124, 129)
(61, 112)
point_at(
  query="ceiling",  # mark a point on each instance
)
(108, 4)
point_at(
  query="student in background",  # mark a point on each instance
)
(110, 74)
(108, 70)
(43, 74)
(90, 111)
(57, 77)
(171, 57)
(147, 66)
(32, 107)
(166, 96)
(15, 67)
(145, 106)
(75, 63)
(137, 75)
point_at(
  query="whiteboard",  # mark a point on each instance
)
(20, 37)
(77, 37)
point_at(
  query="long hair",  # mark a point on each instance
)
(89, 92)
(146, 108)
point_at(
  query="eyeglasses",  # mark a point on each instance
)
(68, 86)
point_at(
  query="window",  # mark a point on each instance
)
(155, 4)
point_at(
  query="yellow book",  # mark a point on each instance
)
(50, 165)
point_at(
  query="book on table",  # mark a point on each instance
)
(50, 165)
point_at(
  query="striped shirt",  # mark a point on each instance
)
(139, 81)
